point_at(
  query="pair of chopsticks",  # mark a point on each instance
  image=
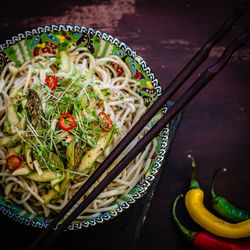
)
(49, 234)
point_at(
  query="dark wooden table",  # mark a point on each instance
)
(215, 126)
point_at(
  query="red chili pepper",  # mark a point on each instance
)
(66, 121)
(13, 162)
(207, 241)
(106, 122)
(51, 81)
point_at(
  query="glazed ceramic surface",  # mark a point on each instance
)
(25, 46)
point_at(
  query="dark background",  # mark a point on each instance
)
(215, 126)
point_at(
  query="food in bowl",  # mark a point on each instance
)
(65, 104)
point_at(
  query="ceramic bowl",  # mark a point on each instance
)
(25, 46)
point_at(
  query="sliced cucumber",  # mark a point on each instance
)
(12, 114)
(64, 183)
(55, 184)
(7, 126)
(46, 176)
(70, 153)
(24, 102)
(55, 160)
(65, 61)
(56, 187)
(16, 150)
(58, 191)
(12, 119)
(10, 141)
(89, 75)
(91, 156)
(51, 195)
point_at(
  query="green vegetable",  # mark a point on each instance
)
(12, 119)
(89, 75)
(74, 153)
(224, 208)
(91, 156)
(64, 61)
(49, 196)
(16, 150)
(56, 161)
(10, 141)
(55, 187)
(46, 176)
(58, 191)
(34, 109)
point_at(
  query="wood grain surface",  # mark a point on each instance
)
(215, 126)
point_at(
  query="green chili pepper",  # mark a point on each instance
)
(223, 207)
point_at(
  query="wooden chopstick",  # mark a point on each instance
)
(188, 95)
(200, 56)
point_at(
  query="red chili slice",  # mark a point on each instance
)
(13, 162)
(66, 121)
(51, 81)
(106, 122)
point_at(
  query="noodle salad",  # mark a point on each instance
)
(61, 115)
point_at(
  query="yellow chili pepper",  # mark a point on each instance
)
(207, 220)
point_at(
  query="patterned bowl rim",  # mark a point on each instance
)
(164, 133)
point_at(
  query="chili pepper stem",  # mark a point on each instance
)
(189, 235)
(214, 196)
(193, 184)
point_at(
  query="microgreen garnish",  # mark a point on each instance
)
(76, 99)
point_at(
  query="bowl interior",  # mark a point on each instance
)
(25, 46)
